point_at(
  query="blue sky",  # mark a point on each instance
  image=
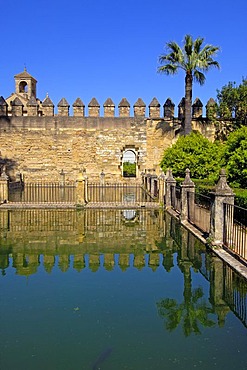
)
(110, 48)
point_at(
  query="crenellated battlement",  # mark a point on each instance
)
(35, 107)
(41, 141)
(23, 102)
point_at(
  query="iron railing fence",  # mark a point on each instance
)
(199, 208)
(65, 192)
(205, 267)
(235, 294)
(235, 229)
(108, 221)
(203, 201)
(117, 193)
(43, 192)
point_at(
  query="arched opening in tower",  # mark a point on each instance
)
(23, 87)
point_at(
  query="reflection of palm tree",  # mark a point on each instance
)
(192, 311)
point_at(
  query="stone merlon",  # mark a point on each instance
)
(32, 102)
(17, 102)
(154, 103)
(78, 103)
(94, 103)
(124, 103)
(63, 103)
(47, 102)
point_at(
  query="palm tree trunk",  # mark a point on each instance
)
(188, 104)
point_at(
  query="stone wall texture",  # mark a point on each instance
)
(41, 147)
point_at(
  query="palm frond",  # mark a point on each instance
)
(199, 77)
(168, 69)
(197, 45)
(173, 47)
(208, 51)
(188, 45)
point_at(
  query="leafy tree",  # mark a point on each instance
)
(194, 60)
(195, 152)
(129, 169)
(235, 157)
(232, 102)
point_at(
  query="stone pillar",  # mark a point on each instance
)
(169, 109)
(80, 190)
(154, 109)
(102, 178)
(187, 186)
(4, 181)
(139, 108)
(93, 108)
(197, 108)
(217, 287)
(109, 108)
(78, 108)
(170, 184)
(154, 185)
(63, 108)
(124, 108)
(162, 188)
(148, 181)
(223, 194)
(62, 178)
(86, 188)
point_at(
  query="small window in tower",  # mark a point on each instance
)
(23, 88)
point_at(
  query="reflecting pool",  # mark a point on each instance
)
(115, 289)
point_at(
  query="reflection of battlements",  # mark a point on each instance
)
(80, 238)
(114, 239)
(85, 239)
(23, 102)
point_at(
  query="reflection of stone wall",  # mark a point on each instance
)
(27, 234)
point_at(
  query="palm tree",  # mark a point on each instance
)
(193, 59)
(192, 313)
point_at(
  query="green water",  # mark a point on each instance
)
(115, 290)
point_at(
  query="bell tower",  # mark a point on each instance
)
(25, 85)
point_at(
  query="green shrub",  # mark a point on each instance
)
(235, 157)
(241, 197)
(129, 169)
(195, 152)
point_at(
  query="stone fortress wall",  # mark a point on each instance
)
(40, 144)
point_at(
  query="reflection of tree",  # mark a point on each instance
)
(167, 247)
(192, 312)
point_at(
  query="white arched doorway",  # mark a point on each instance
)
(129, 163)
